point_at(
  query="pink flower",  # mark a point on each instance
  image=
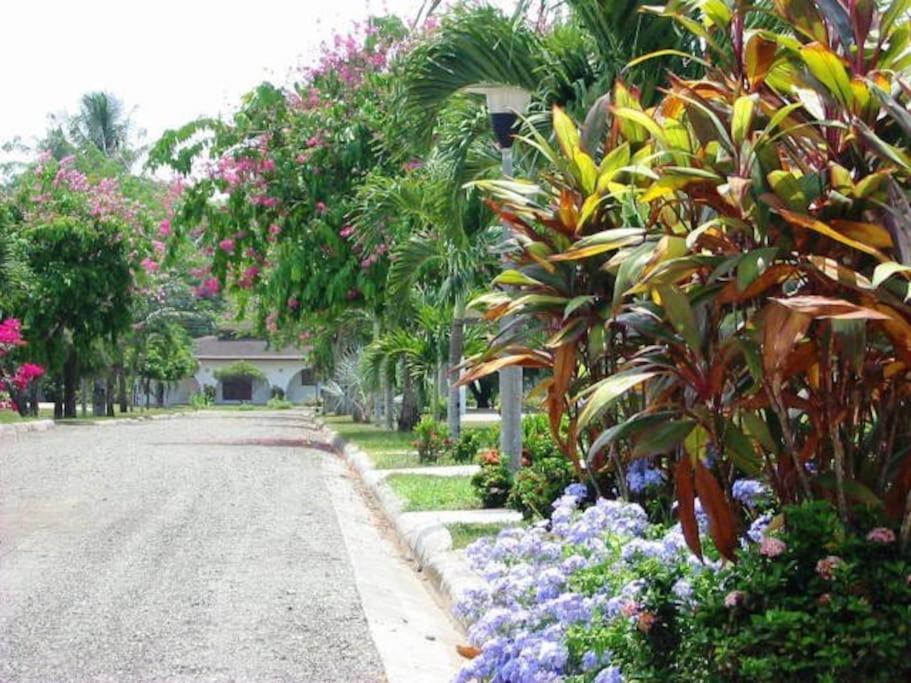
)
(25, 374)
(826, 567)
(159, 247)
(321, 208)
(630, 608)
(164, 228)
(227, 245)
(10, 332)
(209, 288)
(825, 599)
(149, 266)
(346, 231)
(733, 599)
(881, 535)
(275, 230)
(772, 547)
(293, 304)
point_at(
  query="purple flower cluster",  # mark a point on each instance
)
(749, 491)
(520, 614)
(641, 476)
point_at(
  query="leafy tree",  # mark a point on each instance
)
(166, 357)
(101, 123)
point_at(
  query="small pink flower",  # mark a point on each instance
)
(881, 535)
(321, 208)
(826, 567)
(158, 246)
(630, 608)
(164, 228)
(293, 304)
(275, 230)
(825, 599)
(10, 332)
(149, 266)
(733, 599)
(772, 547)
(227, 245)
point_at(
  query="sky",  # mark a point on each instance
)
(169, 61)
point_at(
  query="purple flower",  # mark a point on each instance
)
(641, 476)
(749, 491)
(609, 675)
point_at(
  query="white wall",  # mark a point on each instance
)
(281, 373)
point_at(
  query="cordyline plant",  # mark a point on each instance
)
(725, 274)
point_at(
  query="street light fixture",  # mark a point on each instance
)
(505, 104)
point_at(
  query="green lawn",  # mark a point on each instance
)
(387, 449)
(427, 492)
(464, 534)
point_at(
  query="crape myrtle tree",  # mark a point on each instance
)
(78, 239)
(275, 187)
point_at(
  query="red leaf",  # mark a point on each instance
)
(686, 508)
(718, 510)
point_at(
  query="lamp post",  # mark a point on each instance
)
(505, 103)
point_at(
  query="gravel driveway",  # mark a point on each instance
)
(199, 548)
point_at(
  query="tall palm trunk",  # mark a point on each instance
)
(456, 340)
(388, 396)
(408, 418)
(109, 392)
(122, 389)
(377, 395)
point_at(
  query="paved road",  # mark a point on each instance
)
(204, 548)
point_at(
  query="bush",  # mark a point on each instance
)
(470, 442)
(277, 392)
(432, 440)
(545, 473)
(493, 481)
(200, 400)
(276, 403)
(814, 601)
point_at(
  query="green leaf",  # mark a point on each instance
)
(576, 303)
(742, 119)
(677, 306)
(662, 438)
(605, 392)
(752, 265)
(828, 69)
(642, 119)
(741, 450)
(566, 133)
(757, 428)
(627, 428)
(514, 278)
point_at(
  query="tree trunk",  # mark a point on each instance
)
(109, 392)
(70, 379)
(410, 414)
(122, 389)
(377, 394)
(435, 395)
(388, 397)
(148, 391)
(454, 407)
(99, 399)
(84, 395)
(159, 394)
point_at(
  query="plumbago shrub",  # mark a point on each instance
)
(601, 594)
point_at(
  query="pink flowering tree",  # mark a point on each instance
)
(273, 187)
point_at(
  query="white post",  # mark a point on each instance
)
(510, 378)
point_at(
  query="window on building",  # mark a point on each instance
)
(237, 389)
(307, 378)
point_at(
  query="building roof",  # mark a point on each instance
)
(243, 349)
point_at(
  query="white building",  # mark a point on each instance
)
(286, 369)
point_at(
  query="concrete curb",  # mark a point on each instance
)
(424, 533)
(12, 431)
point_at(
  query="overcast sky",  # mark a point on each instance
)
(169, 60)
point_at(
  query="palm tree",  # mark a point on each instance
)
(101, 123)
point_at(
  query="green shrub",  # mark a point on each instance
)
(820, 602)
(276, 403)
(470, 442)
(431, 440)
(200, 400)
(545, 473)
(493, 481)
